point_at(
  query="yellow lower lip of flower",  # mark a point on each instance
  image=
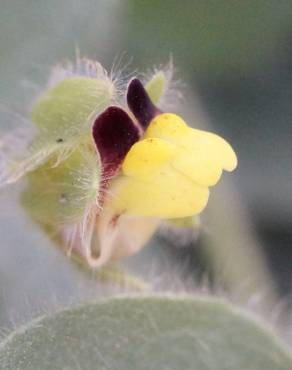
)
(168, 173)
(164, 194)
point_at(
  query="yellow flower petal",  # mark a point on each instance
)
(214, 146)
(167, 174)
(165, 194)
(147, 155)
(201, 155)
(167, 126)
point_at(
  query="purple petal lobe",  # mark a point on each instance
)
(140, 103)
(114, 133)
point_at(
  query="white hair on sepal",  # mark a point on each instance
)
(17, 156)
(77, 238)
(82, 67)
(27, 147)
(22, 150)
(63, 153)
(121, 75)
(173, 91)
(13, 170)
(77, 234)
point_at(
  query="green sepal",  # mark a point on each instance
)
(63, 193)
(156, 87)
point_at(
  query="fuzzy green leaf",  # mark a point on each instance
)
(159, 332)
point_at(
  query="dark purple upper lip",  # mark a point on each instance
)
(140, 103)
(114, 132)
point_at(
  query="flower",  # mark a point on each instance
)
(164, 175)
(104, 179)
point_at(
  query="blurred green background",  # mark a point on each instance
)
(237, 58)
